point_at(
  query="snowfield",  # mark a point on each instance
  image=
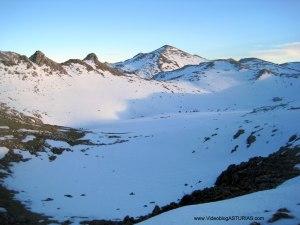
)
(155, 140)
(106, 181)
(258, 207)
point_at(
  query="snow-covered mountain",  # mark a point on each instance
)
(144, 144)
(217, 75)
(166, 58)
(40, 64)
(292, 65)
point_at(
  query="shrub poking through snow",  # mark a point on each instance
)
(251, 139)
(238, 133)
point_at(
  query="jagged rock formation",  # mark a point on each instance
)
(40, 59)
(78, 61)
(12, 59)
(92, 60)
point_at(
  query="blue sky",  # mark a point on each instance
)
(116, 30)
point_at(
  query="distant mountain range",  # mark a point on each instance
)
(164, 63)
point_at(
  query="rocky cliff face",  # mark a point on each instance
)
(93, 60)
(40, 59)
(12, 59)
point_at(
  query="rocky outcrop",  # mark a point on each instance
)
(13, 59)
(92, 58)
(261, 73)
(40, 59)
(80, 62)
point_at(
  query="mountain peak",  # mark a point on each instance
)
(40, 59)
(165, 48)
(165, 58)
(92, 57)
(168, 46)
(11, 59)
(92, 60)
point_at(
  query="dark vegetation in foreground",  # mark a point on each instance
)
(259, 173)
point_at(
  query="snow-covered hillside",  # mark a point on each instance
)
(148, 141)
(88, 91)
(218, 72)
(166, 58)
(292, 65)
(257, 207)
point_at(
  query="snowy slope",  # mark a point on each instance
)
(154, 161)
(257, 207)
(292, 65)
(90, 93)
(166, 58)
(153, 138)
(80, 96)
(226, 70)
(277, 69)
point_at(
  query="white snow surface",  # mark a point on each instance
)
(292, 65)
(3, 151)
(150, 134)
(119, 178)
(166, 58)
(259, 207)
(28, 138)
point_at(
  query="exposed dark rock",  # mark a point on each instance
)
(57, 151)
(78, 61)
(268, 108)
(102, 66)
(16, 213)
(251, 139)
(92, 57)
(47, 199)
(12, 59)
(156, 210)
(285, 210)
(293, 138)
(40, 59)
(238, 133)
(206, 139)
(282, 213)
(276, 99)
(52, 158)
(255, 223)
(234, 149)
(69, 196)
(262, 72)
